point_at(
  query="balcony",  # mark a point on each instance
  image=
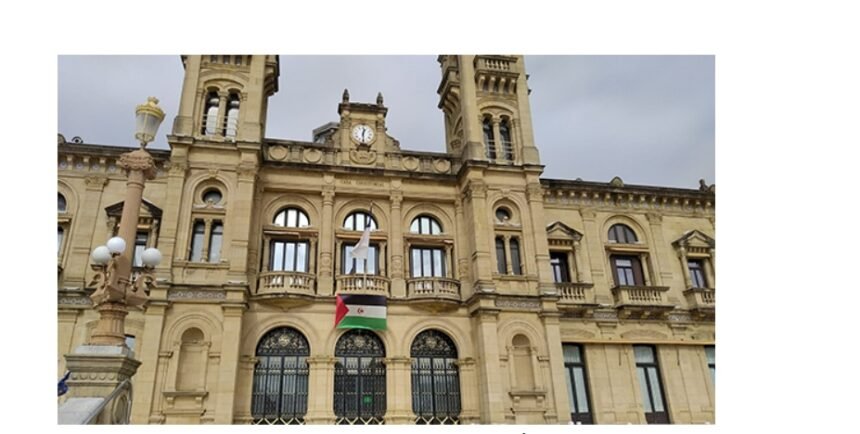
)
(285, 288)
(641, 302)
(360, 284)
(575, 297)
(435, 294)
(702, 302)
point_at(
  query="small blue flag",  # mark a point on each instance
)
(62, 387)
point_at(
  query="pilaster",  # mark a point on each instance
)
(150, 348)
(325, 284)
(398, 280)
(489, 369)
(225, 393)
(321, 396)
(398, 391)
(82, 245)
(559, 382)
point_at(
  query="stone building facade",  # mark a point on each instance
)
(511, 298)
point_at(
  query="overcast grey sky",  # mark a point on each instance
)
(647, 119)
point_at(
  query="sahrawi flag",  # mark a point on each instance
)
(359, 311)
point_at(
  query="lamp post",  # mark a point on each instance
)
(115, 288)
(100, 371)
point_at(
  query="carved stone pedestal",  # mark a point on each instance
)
(95, 373)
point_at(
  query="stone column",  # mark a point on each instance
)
(491, 393)
(497, 140)
(398, 391)
(710, 268)
(472, 128)
(150, 348)
(325, 282)
(225, 389)
(470, 412)
(661, 257)
(398, 281)
(207, 231)
(685, 267)
(583, 273)
(240, 221)
(556, 365)
(534, 193)
(222, 114)
(168, 236)
(508, 264)
(321, 395)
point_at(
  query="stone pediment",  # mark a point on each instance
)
(561, 231)
(695, 238)
(147, 209)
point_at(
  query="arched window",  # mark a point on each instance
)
(213, 196)
(489, 139)
(210, 117)
(620, 233)
(435, 379)
(358, 220)
(507, 145)
(232, 119)
(292, 218)
(501, 260)
(61, 203)
(280, 394)
(359, 378)
(425, 225)
(59, 239)
(516, 261)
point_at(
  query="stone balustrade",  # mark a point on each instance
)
(433, 287)
(286, 282)
(360, 284)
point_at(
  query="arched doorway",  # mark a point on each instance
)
(359, 378)
(280, 394)
(435, 379)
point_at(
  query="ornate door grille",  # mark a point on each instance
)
(359, 379)
(280, 394)
(435, 379)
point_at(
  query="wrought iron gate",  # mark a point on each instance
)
(280, 394)
(359, 379)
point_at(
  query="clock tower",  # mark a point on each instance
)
(361, 135)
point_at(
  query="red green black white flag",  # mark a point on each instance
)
(359, 311)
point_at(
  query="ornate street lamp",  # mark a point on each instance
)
(115, 287)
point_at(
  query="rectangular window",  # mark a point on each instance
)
(197, 242)
(516, 264)
(711, 355)
(697, 276)
(650, 385)
(577, 389)
(289, 256)
(501, 261)
(427, 262)
(139, 247)
(357, 266)
(215, 237)
(558, 262)
(627, 270)
(59, 240)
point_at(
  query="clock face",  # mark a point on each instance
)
(362, 134)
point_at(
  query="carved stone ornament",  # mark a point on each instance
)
(138, 160)
(278, 152)
(181, 294)
(313, 155)
(616, 182)
(518, 303)
(96, 182)
(410, 163)
(362, 155)
(441, 165)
